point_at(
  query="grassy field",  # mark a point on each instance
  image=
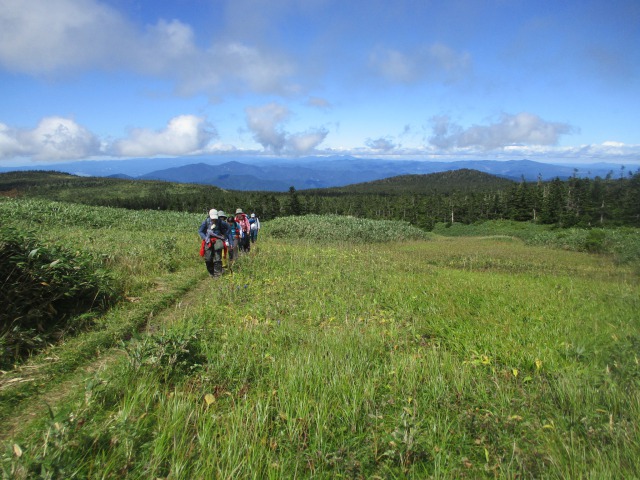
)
(321, 356)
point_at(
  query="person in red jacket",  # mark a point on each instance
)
(245, 230)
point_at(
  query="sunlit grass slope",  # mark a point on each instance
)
(151, 256)
(438, 358)
(138, 246)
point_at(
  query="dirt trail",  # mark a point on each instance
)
(56, 394)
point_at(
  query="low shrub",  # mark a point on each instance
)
(488, 228)
(338, 228)
(47, 291)
(595, 241)
(172, 354)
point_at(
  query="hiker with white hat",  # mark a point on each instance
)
(254, 225)
(213, 233)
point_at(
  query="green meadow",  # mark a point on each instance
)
(338, 348)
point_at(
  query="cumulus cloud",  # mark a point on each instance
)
(49, 36)
(435, 62)
(55, 138)
(53, 37)
(300, 143)
(604, 152)
(10, 146)
(521, 129)
(183, 135)
(265, 122)
(235, 67)
(610, 150)
(381, 144)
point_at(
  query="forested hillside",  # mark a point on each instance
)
(462, 196)
(576, 202)
(463, 180)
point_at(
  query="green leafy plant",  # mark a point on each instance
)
(46, 292)
(595, 241)
(171, 354)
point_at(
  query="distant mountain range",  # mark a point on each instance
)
(280, 174)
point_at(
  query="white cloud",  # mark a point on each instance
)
(184, 135)
(611, 144)
(381, 144)
(164, 48)
(55, 138)
(300, 143)
(435, 62)
(265, 122)
(48, 36)
(54, 37)
(229, 67)
(612, 151)
(10, 146)
(523, 128)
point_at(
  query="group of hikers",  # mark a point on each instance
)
(224, 237)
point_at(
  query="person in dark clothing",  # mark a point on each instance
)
(233, 239)
(227, 257)
(213, 232)
(245, 230)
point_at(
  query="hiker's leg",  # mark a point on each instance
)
(208, 260)
(217, 258)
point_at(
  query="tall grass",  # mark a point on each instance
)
(338, 228)
(452, 358)
(623, 243)
(46, 292)
(137, 246)
(150, 258)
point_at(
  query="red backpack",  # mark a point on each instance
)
(243, 221)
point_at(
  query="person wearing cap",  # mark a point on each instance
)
(254, 224)
(213, 232)
(245, 227)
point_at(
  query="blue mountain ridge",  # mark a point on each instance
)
(279, 174)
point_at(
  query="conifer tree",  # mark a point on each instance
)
(293, 206)
(552, 202)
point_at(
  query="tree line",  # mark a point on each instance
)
(581, 202)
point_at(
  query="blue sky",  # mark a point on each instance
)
(437, 80)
